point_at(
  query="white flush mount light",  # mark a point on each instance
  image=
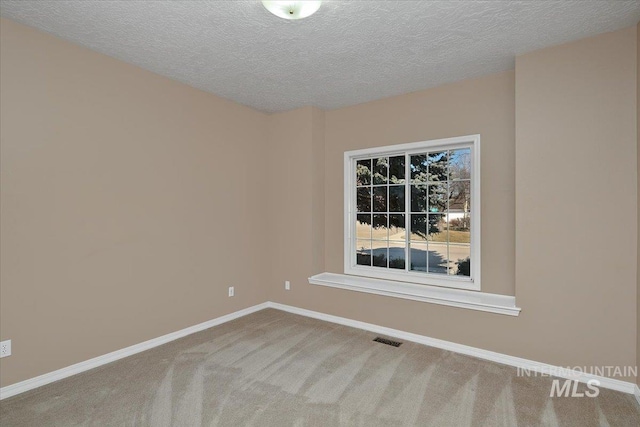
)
(292, 9)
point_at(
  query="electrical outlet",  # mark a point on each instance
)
(232, 291)
(5, 348)
(287, 285)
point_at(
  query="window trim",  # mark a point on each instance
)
(351, 268)
(472, 300)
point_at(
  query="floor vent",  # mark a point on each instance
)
(388, 342)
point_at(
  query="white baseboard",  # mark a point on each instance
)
(543, 368)
(23, 386)
(39, 381)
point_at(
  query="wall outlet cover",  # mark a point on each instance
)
(5, 348)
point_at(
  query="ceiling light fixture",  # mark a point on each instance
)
(292, 9)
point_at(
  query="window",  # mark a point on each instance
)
(412, 212)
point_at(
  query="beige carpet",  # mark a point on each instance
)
(277, 369)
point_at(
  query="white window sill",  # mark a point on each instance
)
(473, 300)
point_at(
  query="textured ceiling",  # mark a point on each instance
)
(347, 53)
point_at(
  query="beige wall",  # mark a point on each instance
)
(577, 100)
(125, 213)
(296, 205)
(576, 199)
(638, 149)
(484, 106)
(128, 204)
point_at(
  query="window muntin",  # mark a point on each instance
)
(412, 213)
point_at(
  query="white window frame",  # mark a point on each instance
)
(457, 282)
